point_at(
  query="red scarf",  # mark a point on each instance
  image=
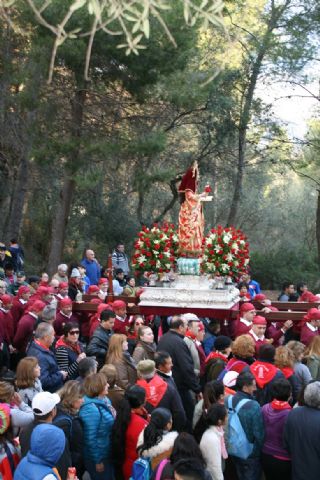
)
(216, 355)
(263, 372)
(63, 343)
(191, 335)
(279, 405)
(41, 345)
(287, 371)
(155, 389)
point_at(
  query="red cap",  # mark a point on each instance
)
(258, 320)
(308, 297)
(312, 314)
(23, 289)
(96, 300)
(102, 281)
(260, 297)
(43, 291)
(63, 285)
(65, 302)
(37, 306)
(102, 307)
(6, 299)
(93, 289)
(118, 304)
(246, 307)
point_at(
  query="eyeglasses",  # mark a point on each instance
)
(74, 332)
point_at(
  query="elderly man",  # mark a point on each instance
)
(91, 264)
(302, 433)
(51, 376)
(191, 338)
(61, 275)
(120, 259)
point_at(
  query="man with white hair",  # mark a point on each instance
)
(61, 274)
(191, 338)
(51, 376)
(302, 433)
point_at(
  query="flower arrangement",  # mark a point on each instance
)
(155, 249)
(225, 252)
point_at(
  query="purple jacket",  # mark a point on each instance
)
(274, 421)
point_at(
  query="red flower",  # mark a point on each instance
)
(207, 189)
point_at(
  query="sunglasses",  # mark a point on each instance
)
(74, 332)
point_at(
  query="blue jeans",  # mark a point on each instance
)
(249, 469)
(107, 474)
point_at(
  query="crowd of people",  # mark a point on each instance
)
(120, 397)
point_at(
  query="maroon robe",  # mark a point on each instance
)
(24, 332)
(307, 334)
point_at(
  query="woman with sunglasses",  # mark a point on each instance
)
(135, 323)
(69, 351)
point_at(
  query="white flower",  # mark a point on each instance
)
(225, 267)
(246, 261)
(208, 241)
(158, 264)
(175, 238)
(235, 247)
(141, 259)
(155, 252)
(229, 257)
(167, 254)
(168, 265)
(217, 248)
(205, 258)
(140, 243)
(226, 237)
(165, 237)
(156, 241)
(242, 242)
(236, 263)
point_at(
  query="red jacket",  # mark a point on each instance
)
(24, 332)
(61, 320)
(17, 310)
(307, 334)
(241, 328)
(7, 326)
(275, 332)
(135, 427)
(121, 326)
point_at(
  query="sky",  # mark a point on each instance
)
(296, 110)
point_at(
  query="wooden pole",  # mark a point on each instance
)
(110, 278)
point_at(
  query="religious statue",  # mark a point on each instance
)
(191, 219)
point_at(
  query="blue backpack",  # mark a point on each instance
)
(141, 469)
(238, 444)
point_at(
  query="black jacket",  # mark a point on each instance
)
(98, 345)
(172, 401)
(183, 368)
(301, 439)
(72, 427)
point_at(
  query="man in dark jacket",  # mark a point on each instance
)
(98, 345)
(265, 373)
(51, 377)
(160, 393)
(302, 433)
(44, 410)
(252, 423)
(183, 367)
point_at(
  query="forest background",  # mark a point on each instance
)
(86, 161)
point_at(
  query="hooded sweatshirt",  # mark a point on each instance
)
(43, 455)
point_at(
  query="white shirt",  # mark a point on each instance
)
(256, 338)
(246, 322)
(210, 446)
(311, 327)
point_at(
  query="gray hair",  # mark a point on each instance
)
(43, 329)
(63, 266)
(49, 313)
(312, 395)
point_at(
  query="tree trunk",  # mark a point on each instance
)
(18, 198)
(318, 227)
(63, 208)
(245, 115)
